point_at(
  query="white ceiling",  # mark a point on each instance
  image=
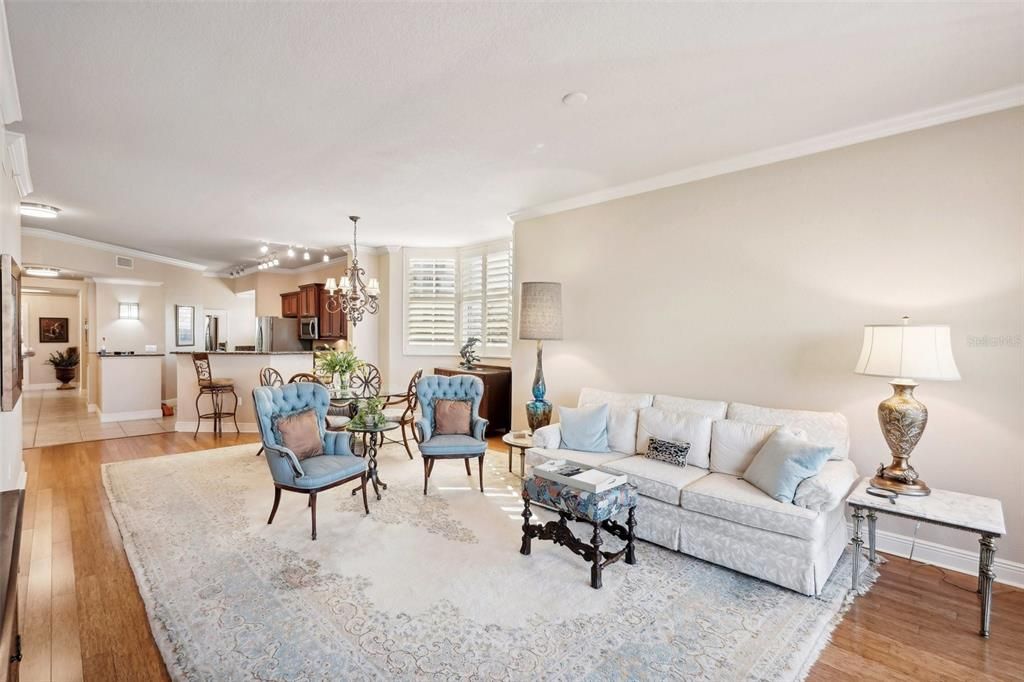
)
(193, 130)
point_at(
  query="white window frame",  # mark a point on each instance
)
(457, 254)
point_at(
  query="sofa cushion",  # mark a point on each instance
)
(660, 480)
(733, 499)
(591, 459)
(622, 414)
(784, 462)
(709, 408)
(734, 444)
(826, 428)
(584, 428)
(687, 427)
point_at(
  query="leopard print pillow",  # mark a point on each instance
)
(668, 451)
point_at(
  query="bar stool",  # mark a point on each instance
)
(216, 389)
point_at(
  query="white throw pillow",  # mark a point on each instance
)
(827, 428)
(622, 415)
(694, 429)
(709, 408)
(734, 444)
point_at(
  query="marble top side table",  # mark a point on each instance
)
(981, 515)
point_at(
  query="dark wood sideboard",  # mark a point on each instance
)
(496, 406)
(11, 504)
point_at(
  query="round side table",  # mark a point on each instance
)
(521, 441)
(375, 437)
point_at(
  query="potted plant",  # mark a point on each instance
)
(370, 414)
(339, 364)
(64, 364)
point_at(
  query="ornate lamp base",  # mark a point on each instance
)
(538, 414)
(902, 418)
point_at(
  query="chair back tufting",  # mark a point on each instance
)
(274, 401)
(459, 387)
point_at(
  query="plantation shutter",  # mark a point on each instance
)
(497, 336)
(430, 303)
(471, 270)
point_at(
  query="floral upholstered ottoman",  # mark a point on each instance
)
(574, 504)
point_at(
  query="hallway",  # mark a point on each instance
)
(52, 417)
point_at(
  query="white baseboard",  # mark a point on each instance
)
(1008, 572)
(207, 427)
(130, 416)
(93, 407)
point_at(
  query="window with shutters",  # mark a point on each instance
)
(453, 295)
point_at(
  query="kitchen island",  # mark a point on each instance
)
(128, 386)
(244, 368)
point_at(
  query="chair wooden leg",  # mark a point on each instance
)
(312, 506)
(468, 471)
(260, 452)
(309, 502)
(405, 441)
(366, 506)
(426, 474)
(480, 468)
(277, 500)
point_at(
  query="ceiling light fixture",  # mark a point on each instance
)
(264, 247)
(352, 295)
(276, 262)
(41, 271)
(574, 98)
(34, 210)
(326, 258)
(305, 255)
(291, 252)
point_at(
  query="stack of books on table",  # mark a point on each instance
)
(579, 477)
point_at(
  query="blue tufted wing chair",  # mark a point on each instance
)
(313, 475)
(450, 446)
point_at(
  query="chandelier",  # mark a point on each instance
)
(353, 295)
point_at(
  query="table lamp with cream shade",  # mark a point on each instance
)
(540, 320)
(905, 352)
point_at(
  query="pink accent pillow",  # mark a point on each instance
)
(453, 417)
(300, 433)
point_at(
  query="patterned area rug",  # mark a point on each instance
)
(428, 586)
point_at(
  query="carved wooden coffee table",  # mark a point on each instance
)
(573, 504)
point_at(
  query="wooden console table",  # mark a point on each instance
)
(496, 405)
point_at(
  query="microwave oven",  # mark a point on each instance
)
(309, 328)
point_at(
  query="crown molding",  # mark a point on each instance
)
(10, 104)
(17, 161)
(989, 102)
(111, 248)
(127, 282)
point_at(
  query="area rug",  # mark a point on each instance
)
(428, 586)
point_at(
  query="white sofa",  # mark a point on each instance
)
(706, 509)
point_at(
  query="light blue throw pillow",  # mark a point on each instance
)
(783, 462)
(584, 428)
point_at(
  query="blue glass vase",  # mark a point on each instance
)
(538, 411)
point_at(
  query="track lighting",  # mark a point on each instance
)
(291, 252)
(326, 259)
(264, 248)
(305, 255)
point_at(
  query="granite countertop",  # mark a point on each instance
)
(133, 355)
(245, 352)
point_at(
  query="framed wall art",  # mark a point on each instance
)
(184, 325)
(53, 330)
(10, 333)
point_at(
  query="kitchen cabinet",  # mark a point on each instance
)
(334, 325)
(309, 300)
(290, 304)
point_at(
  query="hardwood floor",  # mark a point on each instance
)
(84, 619)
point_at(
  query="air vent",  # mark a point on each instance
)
(124, 262)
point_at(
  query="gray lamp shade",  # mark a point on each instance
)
(540, 311)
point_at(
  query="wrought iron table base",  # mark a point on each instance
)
(986, 576)
(560, 533)
(373, 441)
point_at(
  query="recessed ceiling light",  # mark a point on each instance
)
(38, 271)
(573, 98)
(34, 210)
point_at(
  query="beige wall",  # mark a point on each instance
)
(755, 287)
(11, 467)
(49, 305)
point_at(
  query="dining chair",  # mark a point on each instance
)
(450, 446)
(312, 475)
(305, 378)
(401, 408)
(364, 382)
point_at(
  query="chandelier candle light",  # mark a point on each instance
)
(540, 319)
(352, 294)
(906, 352)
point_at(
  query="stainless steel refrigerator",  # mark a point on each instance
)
(277, 334)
